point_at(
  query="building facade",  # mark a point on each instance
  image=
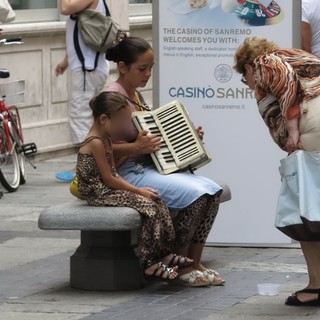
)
(44, 112)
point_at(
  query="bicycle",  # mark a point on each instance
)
(13, 150)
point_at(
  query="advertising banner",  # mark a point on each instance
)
(195, 42)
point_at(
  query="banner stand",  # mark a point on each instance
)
(194, 56)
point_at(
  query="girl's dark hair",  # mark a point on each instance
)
(128, 49)
(108, 103)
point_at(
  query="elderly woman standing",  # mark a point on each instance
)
(287, 88)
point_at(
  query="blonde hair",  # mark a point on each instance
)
(252, 48)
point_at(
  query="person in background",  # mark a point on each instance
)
(310, 26)
(101, 185)
(196, 199)
(83, 85)
(287, 88)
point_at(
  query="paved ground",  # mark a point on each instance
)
(34, 271)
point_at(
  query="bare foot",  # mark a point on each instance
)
(304, 297)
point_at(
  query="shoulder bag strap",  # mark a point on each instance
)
(78, 49)
(107, 9)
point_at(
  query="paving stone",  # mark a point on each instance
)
(34, 271)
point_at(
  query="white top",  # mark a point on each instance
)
(311, 15)
(89, 54)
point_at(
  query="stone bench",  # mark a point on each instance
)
(105, 259)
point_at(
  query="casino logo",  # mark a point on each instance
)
(223, 73)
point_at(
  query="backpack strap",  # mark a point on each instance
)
(78, 48)
(107, 9)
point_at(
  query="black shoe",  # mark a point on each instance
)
(294, 301)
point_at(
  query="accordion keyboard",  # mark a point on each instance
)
(180, 145)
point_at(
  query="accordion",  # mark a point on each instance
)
(181, 148)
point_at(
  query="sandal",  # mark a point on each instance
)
(189, 279)
(294, 301)
(214, 277)
(155, 275)
(176, 262)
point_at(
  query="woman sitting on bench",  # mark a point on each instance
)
(100, 184)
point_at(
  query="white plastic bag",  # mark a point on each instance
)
(298, 209)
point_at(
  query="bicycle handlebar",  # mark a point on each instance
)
(9, 41)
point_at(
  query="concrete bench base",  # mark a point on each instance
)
(105, 260)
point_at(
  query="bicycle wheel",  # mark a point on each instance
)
(9, 164)
(21, 159)
(23, 174)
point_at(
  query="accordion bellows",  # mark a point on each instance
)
(181, 149)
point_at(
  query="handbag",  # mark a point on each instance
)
(97, 30)
(74, 188)
(6, 12)
(298, 208)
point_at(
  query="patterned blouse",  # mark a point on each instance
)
(284, 80)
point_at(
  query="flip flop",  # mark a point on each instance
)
(66, 176)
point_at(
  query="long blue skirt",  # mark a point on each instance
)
(178, 190)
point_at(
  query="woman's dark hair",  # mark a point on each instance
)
(127, 49)
(108, 103)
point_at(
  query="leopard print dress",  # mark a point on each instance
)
(157, 232)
